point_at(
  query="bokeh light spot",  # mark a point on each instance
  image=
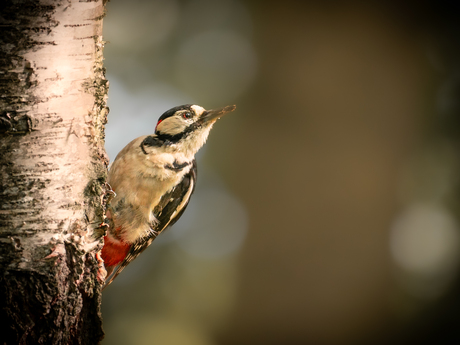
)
(425, 244)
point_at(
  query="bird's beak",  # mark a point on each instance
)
(211, 116)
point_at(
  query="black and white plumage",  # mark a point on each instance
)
(154, 177)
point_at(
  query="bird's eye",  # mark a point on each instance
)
(187, 115)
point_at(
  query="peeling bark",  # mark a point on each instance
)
(52, 167)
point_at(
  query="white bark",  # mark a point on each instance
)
(53, 166)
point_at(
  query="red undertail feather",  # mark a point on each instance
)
(114, 252)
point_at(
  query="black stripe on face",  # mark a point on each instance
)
(173, 139)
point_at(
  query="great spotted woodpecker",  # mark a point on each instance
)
(153, 178)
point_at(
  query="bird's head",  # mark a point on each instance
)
(187, 126)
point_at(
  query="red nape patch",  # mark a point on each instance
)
(157, 125)
(113, 252)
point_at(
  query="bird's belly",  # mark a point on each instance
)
(134, 202)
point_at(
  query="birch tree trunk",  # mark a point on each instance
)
(53, 168)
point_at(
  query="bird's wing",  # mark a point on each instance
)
(171, 207)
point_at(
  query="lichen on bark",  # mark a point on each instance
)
(52, 168)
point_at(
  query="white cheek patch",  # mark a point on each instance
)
(198, 110)
(171, 125)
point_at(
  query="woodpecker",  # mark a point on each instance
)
(153, 178)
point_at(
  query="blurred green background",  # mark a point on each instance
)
(327, 205)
